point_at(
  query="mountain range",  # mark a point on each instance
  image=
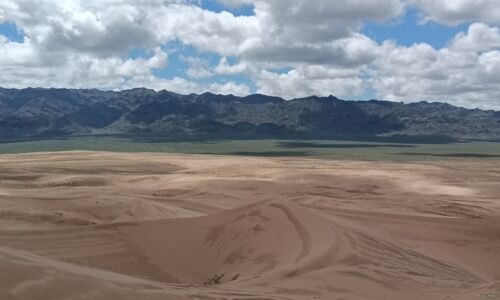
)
(38, 112)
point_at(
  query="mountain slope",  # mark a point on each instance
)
(35, 112)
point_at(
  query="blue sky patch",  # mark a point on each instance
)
(409, 30)
(10, 31)
(213, 5)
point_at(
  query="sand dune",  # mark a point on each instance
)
(86, 225)
(271, 239)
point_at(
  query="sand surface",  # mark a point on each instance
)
(88, 225)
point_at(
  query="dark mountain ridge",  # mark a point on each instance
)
(37, 112)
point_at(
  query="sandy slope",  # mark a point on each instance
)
(86, 225)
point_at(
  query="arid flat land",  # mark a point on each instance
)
(102, 225)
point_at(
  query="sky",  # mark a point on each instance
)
(397, 50)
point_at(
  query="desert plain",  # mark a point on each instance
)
(102, 225)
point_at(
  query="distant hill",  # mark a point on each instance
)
(37, 112)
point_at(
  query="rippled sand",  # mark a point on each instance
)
(88, 225)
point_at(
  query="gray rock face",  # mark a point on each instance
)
(36, 112)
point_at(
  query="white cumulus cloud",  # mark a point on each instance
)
(289, 48)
